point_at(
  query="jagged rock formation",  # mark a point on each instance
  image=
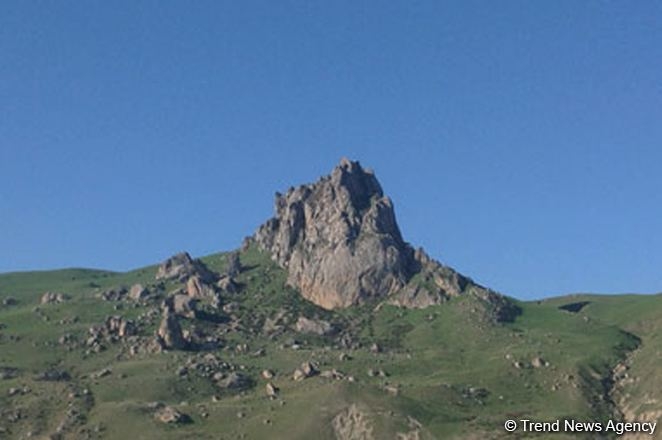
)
(338, 239)
(181, 267)
(197, 288)
(169, 333)
(341, 245)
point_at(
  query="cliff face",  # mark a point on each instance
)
(340, 243)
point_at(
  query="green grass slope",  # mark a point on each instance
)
(443, 372)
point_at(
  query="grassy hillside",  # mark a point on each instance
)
(443, 372)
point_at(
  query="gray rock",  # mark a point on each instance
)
(272, 390)
(138, 292)
(233, 265)
(181, 266)
(170, 332)
(317, 327)
(228, 284)
(170, 415)
(196, 287)
(235, 381)
(181, 304)
(339, 242)
(53, 298)
(338, 239)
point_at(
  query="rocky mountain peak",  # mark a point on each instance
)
(338, 238)
(340, 243)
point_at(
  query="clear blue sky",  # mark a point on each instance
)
(521, 141)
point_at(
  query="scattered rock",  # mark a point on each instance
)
(372, 372)
(235, 381)
(272, 390)
(392, 390)
(306, 370)
(53, 298)
(298, 375)
(333, 374)
(267, 374)
(538, 362)
(170, 415)
(317, 327)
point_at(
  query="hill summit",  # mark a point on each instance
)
(340, 243)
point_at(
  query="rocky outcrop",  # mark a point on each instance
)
(138, 292)
(227, 284)
(197, 288)
(340, 244)
(53, 298)
(169, 333)
(181, 304)
(121, 327)
(181, 267)
(352, 424)
(170, 415)
(233, 265)
(338, 239)
(314, 326)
